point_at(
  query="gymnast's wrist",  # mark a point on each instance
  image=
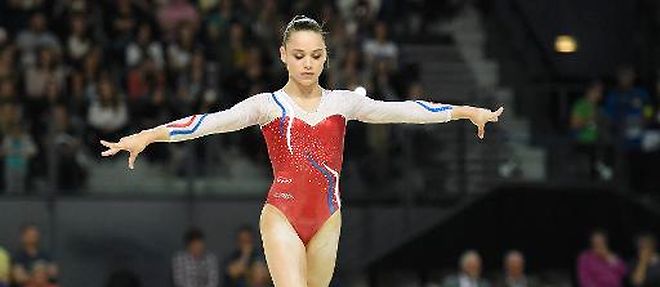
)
(157, 134)
(463, 112)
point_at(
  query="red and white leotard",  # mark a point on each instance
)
(306, 148)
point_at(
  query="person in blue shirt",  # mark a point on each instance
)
(629, 111)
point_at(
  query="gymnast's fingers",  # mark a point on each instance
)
(131, 160)
(109, 144)
(110, 152)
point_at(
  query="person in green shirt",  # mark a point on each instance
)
(585, 113)
(586, 129)
(4, 268)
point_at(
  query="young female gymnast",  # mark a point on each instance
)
(304, 126)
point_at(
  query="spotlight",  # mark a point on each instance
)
(565, 44)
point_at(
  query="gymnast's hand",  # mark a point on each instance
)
(482, 116)
(133, 144)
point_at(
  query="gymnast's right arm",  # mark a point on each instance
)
(244, 114)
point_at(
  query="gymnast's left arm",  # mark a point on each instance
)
(368, 110)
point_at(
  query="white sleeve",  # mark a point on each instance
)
(368, 110)
(248, 112)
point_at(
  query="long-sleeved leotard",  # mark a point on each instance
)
(306, 148)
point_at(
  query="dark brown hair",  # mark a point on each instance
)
(301, 23)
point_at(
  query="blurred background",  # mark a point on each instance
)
(563, 191)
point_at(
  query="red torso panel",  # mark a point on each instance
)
(306, 170)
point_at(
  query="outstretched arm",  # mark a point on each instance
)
(420, 112)
(246, 113)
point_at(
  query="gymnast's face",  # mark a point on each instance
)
(304, 55)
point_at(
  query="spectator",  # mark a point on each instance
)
(121, 23)
(599, 266)
(586, 124)
(176, 13)
(629, 111)
(76, 101)
(47, 69)
(216, 26)
(107, 115)
(79, 42)
(514, 272)
(39, 277)
(646, 267)
(143, 80)
(35, 37)
(237, 267)
(30, 257)
(380, 47)
(7, 92)
(179, 53)
(470, 274)
(92, 73)
(18, 148)
(4, 267)
(195, 267)
(585, 113)
(258, 275)
(8, 62)
(70, 174)
(145, 47)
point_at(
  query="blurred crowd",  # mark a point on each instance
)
(617, 129)
(75, 71)
(596, 266)
(245, 266)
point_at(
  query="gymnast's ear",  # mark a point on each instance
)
(283, 54)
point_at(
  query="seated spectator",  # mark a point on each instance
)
(69, 172)
(142, 81)
(8, 62)
(31, 258)
(79, 42)
(470, 274)
(4, 267)
(108, 114)
(175, 13)
(122, 19)
(380, 48)
(646, 267)
(237, 265)
(599, 266)
(39, 277)
(36, 36)
(180, 52)
(514, 272)
(144, 47)
(258, 275)
(7, 92)
(36, 78)
(195, 267)
(17, 149)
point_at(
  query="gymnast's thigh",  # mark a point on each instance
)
(285, 252)
(322, 252)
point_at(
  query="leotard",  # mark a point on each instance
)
(306, 148)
